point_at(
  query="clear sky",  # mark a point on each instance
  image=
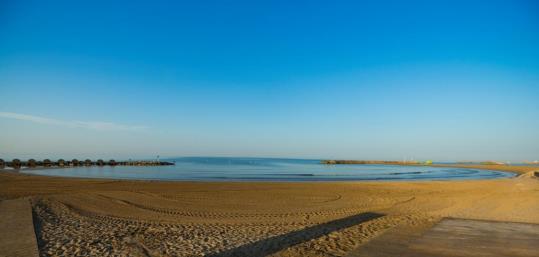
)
(441, 80)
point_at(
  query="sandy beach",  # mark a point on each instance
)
(137, 218)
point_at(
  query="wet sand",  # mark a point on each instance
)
(137, 218)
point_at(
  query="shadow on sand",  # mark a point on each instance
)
(276, 243)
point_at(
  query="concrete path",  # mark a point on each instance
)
(458, 238)
(393, 242)
(17, 236)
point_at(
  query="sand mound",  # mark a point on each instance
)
(531, 174)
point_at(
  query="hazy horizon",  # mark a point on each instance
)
(444, 81)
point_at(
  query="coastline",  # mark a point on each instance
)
(519, 170)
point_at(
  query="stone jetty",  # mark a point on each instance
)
(32, 163)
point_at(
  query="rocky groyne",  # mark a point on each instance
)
(32, 163)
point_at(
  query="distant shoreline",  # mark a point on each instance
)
(483, 165)
(369, 162)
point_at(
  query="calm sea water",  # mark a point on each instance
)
(267, 169)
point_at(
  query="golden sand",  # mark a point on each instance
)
(143, 218)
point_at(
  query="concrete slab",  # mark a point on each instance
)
(17, 236)
(456, 238)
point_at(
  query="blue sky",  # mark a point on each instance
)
(441, 80)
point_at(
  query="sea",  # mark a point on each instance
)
(270, 169)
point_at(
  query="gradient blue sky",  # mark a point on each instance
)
(441, 80)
